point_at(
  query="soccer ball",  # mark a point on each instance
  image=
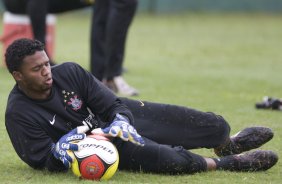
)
(96, 159)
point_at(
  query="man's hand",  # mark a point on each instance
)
(59, 149)
(121, 128)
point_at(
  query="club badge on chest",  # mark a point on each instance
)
(72, 100)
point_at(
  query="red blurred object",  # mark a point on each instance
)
(18, 26)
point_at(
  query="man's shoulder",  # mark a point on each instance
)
(64, 66)
(68, 73)
(66, 69)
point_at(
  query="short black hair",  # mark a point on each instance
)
(18, 50)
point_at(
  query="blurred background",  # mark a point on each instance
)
(179, 7)
(165, 6)
(169, 6)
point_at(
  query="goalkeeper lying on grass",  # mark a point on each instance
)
(46, 106)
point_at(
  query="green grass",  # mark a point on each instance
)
(213, 62)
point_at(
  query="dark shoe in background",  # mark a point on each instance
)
(270, 103)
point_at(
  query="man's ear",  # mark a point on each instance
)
(17, 75)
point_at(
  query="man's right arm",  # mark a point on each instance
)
(31, 143)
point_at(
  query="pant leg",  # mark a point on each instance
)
(121, 13)
(97, 37)
(178, 125)
(157, 158)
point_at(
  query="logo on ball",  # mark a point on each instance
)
(92, 168)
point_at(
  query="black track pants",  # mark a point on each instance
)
(178, 125)
(158, 158)
(110, 23)
(169, 130)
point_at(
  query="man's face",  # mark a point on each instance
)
(34, 76)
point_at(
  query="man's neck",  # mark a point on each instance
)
(35, 95)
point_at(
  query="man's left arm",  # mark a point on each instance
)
(100, 99)
(105, 104)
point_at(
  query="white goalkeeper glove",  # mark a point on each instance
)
(59, 149)
(121, 128)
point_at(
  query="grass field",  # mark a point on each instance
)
(223, 63)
